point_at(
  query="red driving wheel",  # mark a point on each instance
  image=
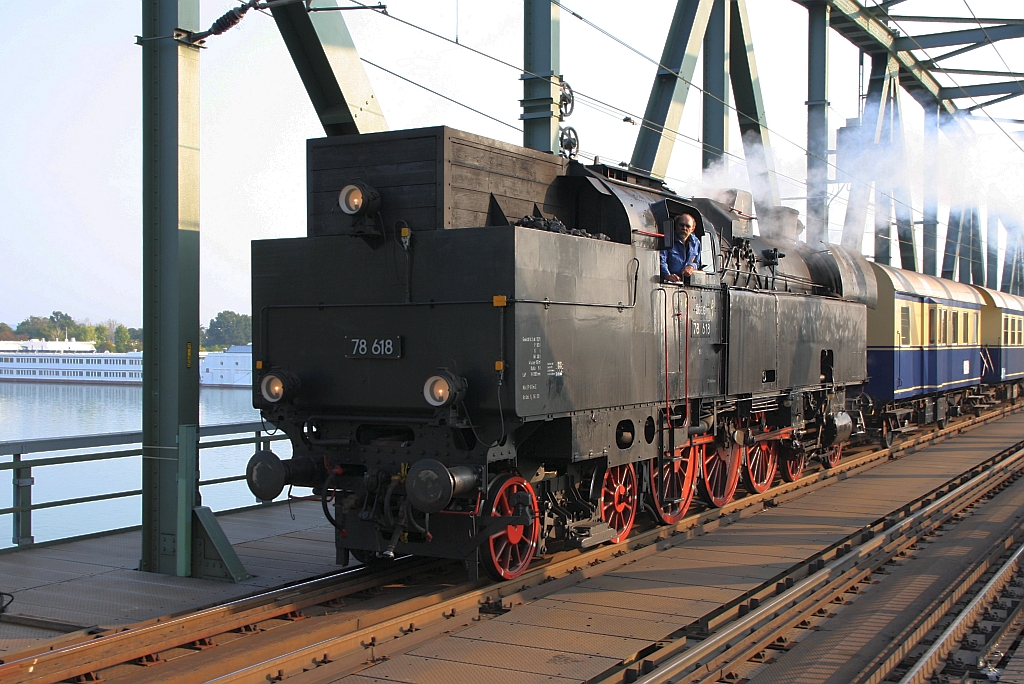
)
(831, 457)
(721, 473)
(508, 553)
(762, 464)
(672, 485)
(620, 497)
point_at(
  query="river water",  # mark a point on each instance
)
(42, 410)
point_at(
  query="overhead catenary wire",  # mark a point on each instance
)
(441, 95)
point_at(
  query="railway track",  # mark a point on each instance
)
(407, 612)
(810, 593)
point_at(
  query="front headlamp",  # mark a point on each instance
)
(358, 199)
(443, 389)
(278, 385)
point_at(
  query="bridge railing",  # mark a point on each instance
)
(98, 448)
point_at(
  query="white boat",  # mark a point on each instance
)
(67, 361)
(229, 368)
(71, 361)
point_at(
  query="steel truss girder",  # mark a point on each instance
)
(983, 90)
(864, 29)
(329, 66)
(965, 37)
(657, 136)
(750, 112)
(668, 96)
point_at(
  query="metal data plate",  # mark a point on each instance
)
(373, 347)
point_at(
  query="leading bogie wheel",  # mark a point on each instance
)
(507, 553)
(721, 473)
(792, 463)
(888, 436)
(620, 497)
(761, 465)
(671, 488)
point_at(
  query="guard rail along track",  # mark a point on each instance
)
(84, 654)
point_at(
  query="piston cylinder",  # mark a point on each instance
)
(267, 475)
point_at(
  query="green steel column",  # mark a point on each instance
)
(716, 86)
(931, 189)
(170, 266)
(868, 137)
(750, 112)
(883, 225)
(966, 250)
(542, 82)
(977, 258)
(817, 122)
(952, 249)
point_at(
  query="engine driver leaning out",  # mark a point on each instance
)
(683, 258)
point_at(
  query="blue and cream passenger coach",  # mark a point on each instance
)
(1002, 336)
(923, 338)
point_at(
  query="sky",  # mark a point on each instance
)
(70, 131)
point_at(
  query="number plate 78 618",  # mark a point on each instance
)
(373, 347)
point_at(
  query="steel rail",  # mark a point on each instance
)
(879, 669)
(929, 661)
(417, 613)
(763, 623)
(162, 634)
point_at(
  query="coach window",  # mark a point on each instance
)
(905, 325)
(955, 339)
(974, 330)
(1006, 330)
(931, 324)
(943, 326)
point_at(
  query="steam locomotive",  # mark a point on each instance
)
(474, 356)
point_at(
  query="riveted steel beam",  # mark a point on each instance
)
(657, 136)
(965, 37)
(329, 66)
(983, 90)
(900, 18)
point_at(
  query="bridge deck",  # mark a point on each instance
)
(93, 582)
(578, 632)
